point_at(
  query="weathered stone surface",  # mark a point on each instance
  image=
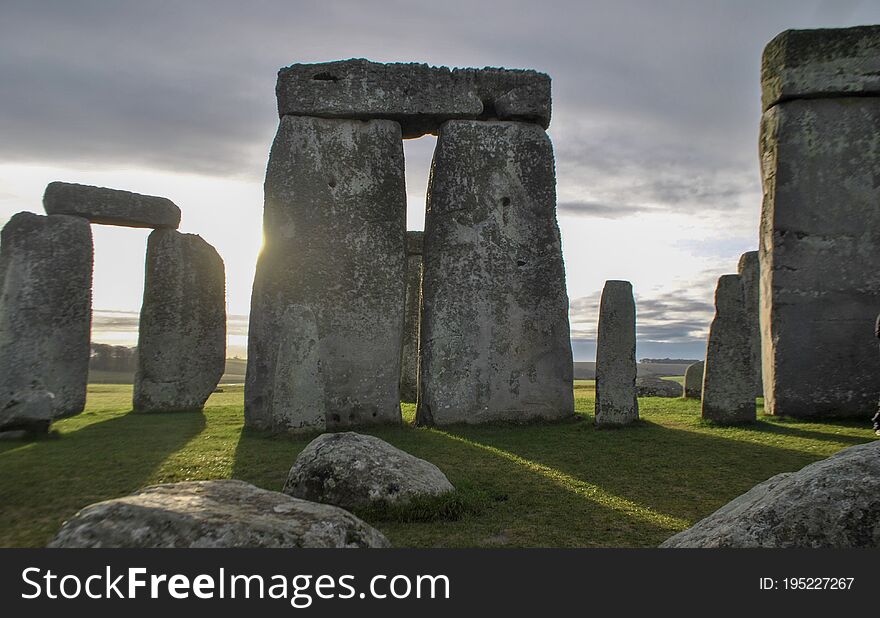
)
(728, 379)
(823, 63)
(833, 503)
(495, 334)
(45, 316)
(28, 409)
(353, 470)
(820, 244)
(334, 263)
(616, 402)
(649, 386)
(110, 206)
(182, 335)
(749, 270)
(225, 513)
(693, 380)
(409, 350)
(418, 96)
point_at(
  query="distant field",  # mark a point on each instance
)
(234, 374)
(562, 484)
(584, 370)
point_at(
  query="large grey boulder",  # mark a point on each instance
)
(110, 206)
(495, 334)
(822, 63)
(616, 402)
(353, 470)
(333, 269)
(227, 513)
(182, 334)
(833, 503)
(650, 386)
(45, 317)
(820, 244)
(728, 379)
(409, 349)
(420, 97)
(749, 270)
(693, 380)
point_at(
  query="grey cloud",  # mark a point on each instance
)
(189, 86)
(671, 317)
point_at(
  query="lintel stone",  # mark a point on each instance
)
(110, 206)
(822, 63)
(418, 96)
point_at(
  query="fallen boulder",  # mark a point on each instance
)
(225, 513)
(352, 470)
(833, 503)
(656, 387)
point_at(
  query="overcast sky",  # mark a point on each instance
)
(655, 120)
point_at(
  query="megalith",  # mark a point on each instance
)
(182, 334)
(728, 380)
(749, 271)
(495, 333)
(616, 402)
(693, 380)
(110, 206)
(417, 96)
(333, 267)
(820, 224)
(45, 318)
(409, 349)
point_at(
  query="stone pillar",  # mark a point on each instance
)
(409, 350)
(820, 224)
(333, 268)
(693, 380)
(749, 270)
(616, 402)
(495, 334)
(45, 318)
(182, 333)
(728, 381)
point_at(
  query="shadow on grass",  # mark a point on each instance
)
(679, 474)
(501, 500)
(780, 427)
(46, 481)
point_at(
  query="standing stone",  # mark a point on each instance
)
(693, 380)
(495, 334)
(616, 402)
(332, 269)
(45, 318)
(749, 270)
(728, 383)
(182, 336)
(820, 224)
(110, 206)
(409, 350)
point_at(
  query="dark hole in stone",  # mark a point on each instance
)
(520, 262)
(505, 201)
(335, 418)
(325, 77)
(331, 183)
(374, 415)
(488, 109)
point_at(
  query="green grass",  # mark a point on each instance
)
(561, 485)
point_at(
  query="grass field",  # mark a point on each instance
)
(559, 485)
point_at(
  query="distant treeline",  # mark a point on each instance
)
(113, 358)
(668, 361)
